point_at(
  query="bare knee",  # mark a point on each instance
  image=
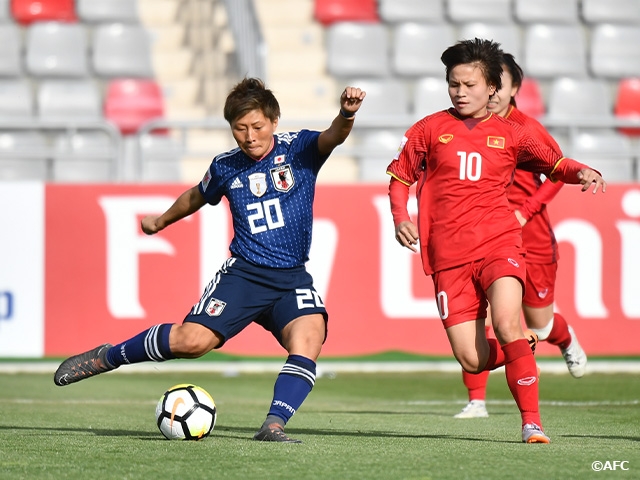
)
(470, 361)
(471, 365)
(305, 336)
(192, 340)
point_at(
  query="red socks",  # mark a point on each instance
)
(522, 378)
(559, 334)
(476, 384)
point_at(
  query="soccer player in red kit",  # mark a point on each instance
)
(462, 160)
(528, 196)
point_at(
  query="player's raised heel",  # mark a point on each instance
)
(532, 433)
(273, 433)
(85, 365)
(575, 357)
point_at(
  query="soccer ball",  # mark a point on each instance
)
(186, 412)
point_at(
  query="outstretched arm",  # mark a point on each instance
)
(189, 202)
(406, 231)
(350, 101)
(533, 204)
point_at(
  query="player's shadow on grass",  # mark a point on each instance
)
(100, 432)
(244, 433)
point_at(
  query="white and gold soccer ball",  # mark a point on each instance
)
(186, 412)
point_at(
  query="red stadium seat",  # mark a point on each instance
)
(331, 11)
(130, 102)
(529, 98)
(627, 104)
(28, 11)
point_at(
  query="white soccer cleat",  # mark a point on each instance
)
(575, 357)
(473, 409)
(532, 433)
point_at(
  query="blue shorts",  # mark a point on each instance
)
(241, 293)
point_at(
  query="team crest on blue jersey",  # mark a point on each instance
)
(258, 183)
(282, 178)
(215, 307)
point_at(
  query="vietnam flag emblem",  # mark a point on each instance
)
(495, 142)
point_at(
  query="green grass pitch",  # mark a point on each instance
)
(354, 426)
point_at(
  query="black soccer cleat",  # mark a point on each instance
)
(85, 365)
(274, 433)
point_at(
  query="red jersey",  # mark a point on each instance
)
(463, 167)
(530, 195)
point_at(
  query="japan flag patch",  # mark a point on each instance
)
(215, 307)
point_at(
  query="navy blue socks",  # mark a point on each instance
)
(150, 345)
(294, 383)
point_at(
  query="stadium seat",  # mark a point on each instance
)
(55, 49)
(386, 97)
(466, 11)
(23, 155)
(555, 50)
(580, 98)
(122, 50)
(160, 160)
(608, 152)
(614, 11)
(417, 47)
(129, 103)
(69, 100)
(105, 11)
(5, 16)
(529, 98)
(627, 103)
(26, 12)
(87, 156)
(507, 34)
(328, 12)
(397, 11)
(546, 11)
(375, 151)
(615, 51)
(10, 50)
(357, 49)
(16, 99)
(430, 95)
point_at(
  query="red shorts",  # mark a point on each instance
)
(460, 291)
(541, 282)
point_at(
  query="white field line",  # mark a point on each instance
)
(324, 368)
(553, 403)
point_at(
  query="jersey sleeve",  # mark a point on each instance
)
(543, 195)
(409, 162)
(536, 156)
(209, 187)
(398, 197)
(307, 144)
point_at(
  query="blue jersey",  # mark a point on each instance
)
(271, 200)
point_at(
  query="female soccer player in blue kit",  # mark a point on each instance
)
(269, 182)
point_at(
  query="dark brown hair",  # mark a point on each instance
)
(515, 71)
(248, 95)
(485, 53)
